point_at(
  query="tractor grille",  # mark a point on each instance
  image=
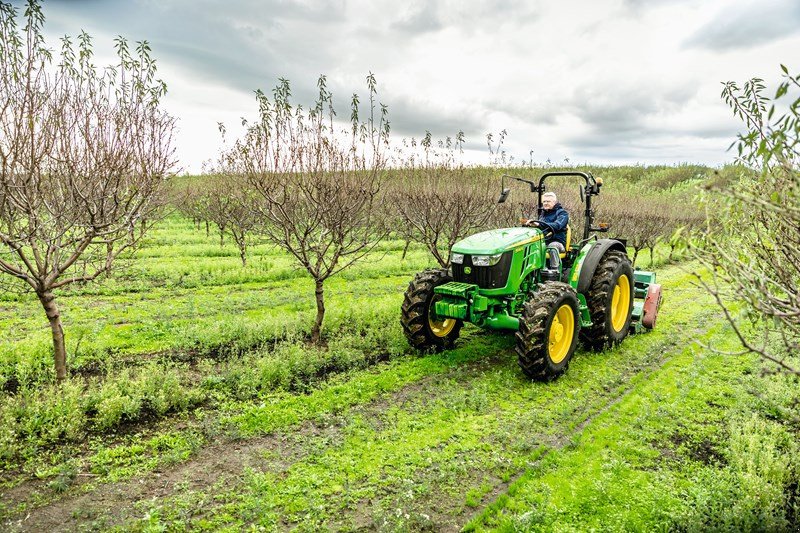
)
(493, 277)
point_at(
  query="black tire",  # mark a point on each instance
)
(541, 355)
(420, 326)
(611, 320)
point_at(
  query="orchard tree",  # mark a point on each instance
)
(191, 201)
(230, 202)
(84, 158)
(318, 184)
(752, 244)
(440, 201)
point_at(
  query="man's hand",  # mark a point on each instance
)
(531, 223)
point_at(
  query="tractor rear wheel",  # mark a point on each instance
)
(548, 332)
(422, 327)
(610, 301)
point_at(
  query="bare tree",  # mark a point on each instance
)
(319, 185)
(191, 201)
(438, 200)
(84, 157)
(230, 203)
(643, 221)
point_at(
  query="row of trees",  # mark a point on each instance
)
(436, 202)
(86, 154)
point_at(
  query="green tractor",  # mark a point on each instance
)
(509, 279)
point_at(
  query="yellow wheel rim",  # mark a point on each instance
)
(440, 328)
(620, 303)
(562, 330)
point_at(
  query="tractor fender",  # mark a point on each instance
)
(593, 258)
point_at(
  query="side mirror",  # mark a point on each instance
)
(503, 195)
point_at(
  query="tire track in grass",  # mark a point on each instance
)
(580, 488)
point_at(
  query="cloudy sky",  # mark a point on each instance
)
(595, 81)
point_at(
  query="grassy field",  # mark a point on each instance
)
(195, 402)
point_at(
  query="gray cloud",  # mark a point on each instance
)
(624, 109)
(637, 6)
(611, 92)
(411, 118)
(628, 123)
(651, 141)
(746, 26)
(421, 19)
(244, 49)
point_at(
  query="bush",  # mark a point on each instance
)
(753, 492)
(41, 418)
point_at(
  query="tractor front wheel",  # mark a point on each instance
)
(422, 327)
(610, 301)
(548, 332)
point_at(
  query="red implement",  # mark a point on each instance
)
(651, 304)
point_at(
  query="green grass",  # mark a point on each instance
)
(684, 451)
(185, 355)
(458, 437)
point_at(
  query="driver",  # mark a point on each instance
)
(557, 218)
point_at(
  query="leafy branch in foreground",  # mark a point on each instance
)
(752, 243)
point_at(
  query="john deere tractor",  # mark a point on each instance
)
(509, 279)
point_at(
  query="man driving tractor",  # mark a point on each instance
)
(555, 216)
(557, 219)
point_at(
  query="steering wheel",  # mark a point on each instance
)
(543, 226)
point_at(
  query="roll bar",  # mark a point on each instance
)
(591, 188)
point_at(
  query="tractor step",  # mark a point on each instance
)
(642, 280)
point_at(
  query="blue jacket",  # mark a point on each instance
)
(557, 218)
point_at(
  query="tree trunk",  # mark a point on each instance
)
(635, 255)
(651, 256)
(315, 331)
(208, 229)
(243, 251)
(48, 301)
(436, 255)
(405, 249)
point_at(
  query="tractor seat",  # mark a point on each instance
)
(569, 239)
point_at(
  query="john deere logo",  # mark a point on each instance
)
(467, 270)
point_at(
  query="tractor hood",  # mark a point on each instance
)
(496, 241)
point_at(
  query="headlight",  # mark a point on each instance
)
(486, 260)
(457, 258)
